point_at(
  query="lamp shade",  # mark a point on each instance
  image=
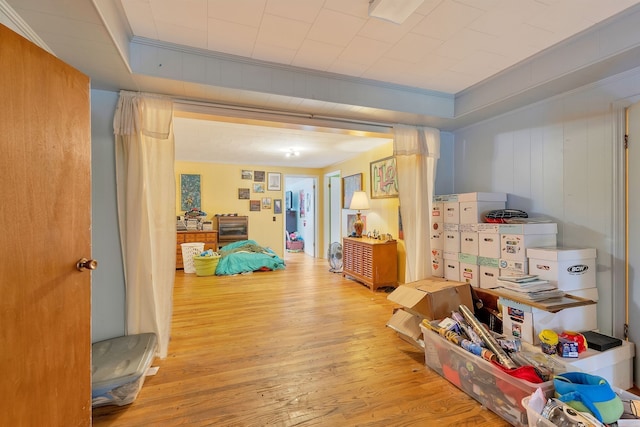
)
(396, 11)
(359, 200)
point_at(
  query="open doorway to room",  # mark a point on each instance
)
(301, 214)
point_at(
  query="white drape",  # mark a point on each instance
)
(417, 151)
(146, 211)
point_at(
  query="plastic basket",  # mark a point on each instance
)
(206, 265)
(190, 250)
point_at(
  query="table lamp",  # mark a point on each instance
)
(359, 201)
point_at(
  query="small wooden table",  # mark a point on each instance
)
(370, 261)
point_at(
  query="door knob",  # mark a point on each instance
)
(86, 264)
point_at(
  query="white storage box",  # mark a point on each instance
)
(437, 212)
(437, 263)
(469, 242)
(452, 212)
(567, 268)
(489, 245)
(451, 270)
(513, 246)
(480, 379)
(510, 267)
(589, 293)
(474, 211)
(451, 240)
(615, 365)
(525, 322)
(437, 235)
(482, 197)
(119, 366)
(488, 277)
(469, 273)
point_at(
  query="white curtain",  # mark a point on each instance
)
(146, 211)
(417, 151)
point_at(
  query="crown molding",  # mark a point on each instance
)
(21, 27)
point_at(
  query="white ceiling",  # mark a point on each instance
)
(447, 46)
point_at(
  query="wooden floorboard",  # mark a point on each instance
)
(295, 347)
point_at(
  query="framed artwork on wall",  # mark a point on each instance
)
(289, 200)
(273, 181)
(258, 187)
(243, 193)
(254, 205)
(266, 203)
(350, 184)
(190, 192)
(258, 176)
(301, 204)
(384, 179)
(277, 206)
(247, 174)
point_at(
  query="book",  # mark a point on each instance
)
(601, 342)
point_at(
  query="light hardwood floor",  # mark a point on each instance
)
(296, 347)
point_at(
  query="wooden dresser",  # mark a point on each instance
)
(209, 238)
(370, 261)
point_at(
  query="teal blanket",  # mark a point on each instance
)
(246, 256)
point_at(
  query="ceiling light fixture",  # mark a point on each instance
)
(396, 11)
(292, 153)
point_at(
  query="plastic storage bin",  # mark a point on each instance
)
(480, 379)
(206, 265)
(118, 368)
(190, 250)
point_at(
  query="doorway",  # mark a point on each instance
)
(301, 213)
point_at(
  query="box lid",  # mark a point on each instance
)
(406, 324)
(560, 253)
(482, 197)
(538, 228)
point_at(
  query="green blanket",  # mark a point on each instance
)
(246, 256)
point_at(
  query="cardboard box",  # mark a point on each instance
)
(480, 379)
(407, 325)
(437, 263)
(475, 211)
(451, 241)
(588, 293)
(432, 298)
(525, 322)
(567, 268)
(437, 237)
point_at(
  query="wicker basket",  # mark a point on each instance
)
(190, 250)
(206, 265)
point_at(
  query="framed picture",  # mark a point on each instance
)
(247, 174)
(273, 181)
(384, 179)
(266, 203)
(301, 204)
(277, 206)
(254, 205)
(258, 176)
(190, 192)
(289, 200)
(258, 187)
(243, 193)
(350, 184)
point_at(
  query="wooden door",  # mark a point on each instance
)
(45, 208)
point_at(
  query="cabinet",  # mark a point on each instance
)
(231, 228)
(209, 238)
(370, 261)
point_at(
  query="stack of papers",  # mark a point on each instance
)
(528, 286)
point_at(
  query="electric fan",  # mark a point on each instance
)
(334, 254)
